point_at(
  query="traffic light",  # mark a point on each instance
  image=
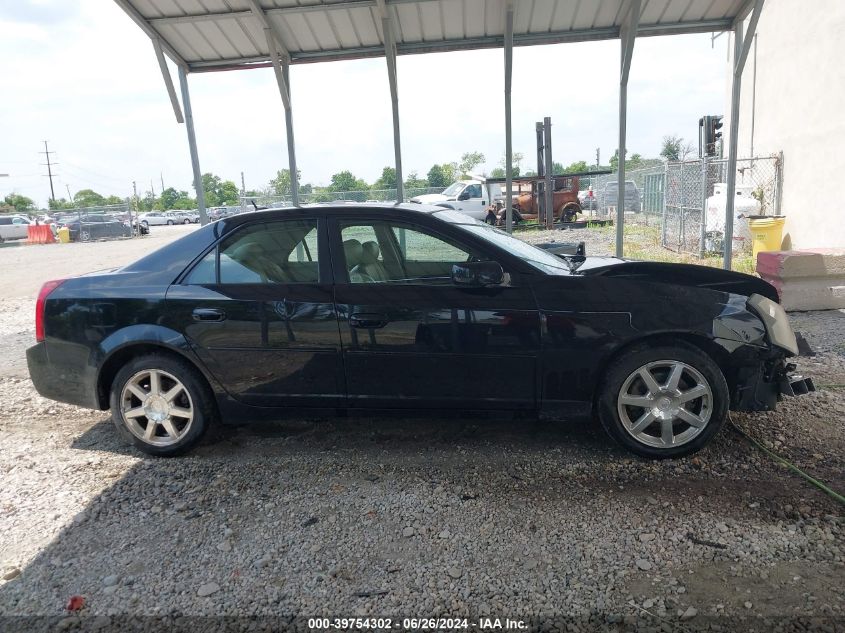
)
(709, 134)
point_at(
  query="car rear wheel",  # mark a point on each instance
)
(664, 401)
(186, 221)
(85, 236)
(161, 404)
(170, 223)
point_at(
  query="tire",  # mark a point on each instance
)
(186, 221)
(170, 223)
(692, 419)
(84, 236)
(145, 223)
(569, 213)
(173, 433)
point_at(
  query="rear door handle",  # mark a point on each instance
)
(209, 314)
(368, 320)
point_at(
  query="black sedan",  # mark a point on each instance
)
(408, 309)
(93, 227)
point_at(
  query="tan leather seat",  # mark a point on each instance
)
(254, 257)
(370, 265)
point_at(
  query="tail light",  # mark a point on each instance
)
(41, 303)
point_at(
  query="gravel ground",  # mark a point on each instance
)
(416, 519)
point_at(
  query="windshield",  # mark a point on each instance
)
(454, 189)
(536, 257)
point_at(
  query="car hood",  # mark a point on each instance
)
(431, 198)
(678, 275)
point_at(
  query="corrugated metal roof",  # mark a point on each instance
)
(225, 34)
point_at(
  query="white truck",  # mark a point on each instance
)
(467, 196)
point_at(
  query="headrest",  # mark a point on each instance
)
(352, 250)
(370, 252)
(246, 252)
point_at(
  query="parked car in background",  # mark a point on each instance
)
(409, 309)
(13, 227)
(610, 196)
(217, 213)
(94, 227)
(178, 217)
(155, 218)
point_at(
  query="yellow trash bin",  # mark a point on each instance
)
(766, 234)
(64, 234)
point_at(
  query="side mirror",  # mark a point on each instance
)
(464, 195)
(477, 274)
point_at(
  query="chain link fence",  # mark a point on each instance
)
(269, 199)
(695, 199)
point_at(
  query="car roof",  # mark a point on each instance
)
(398, 211)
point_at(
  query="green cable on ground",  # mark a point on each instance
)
(820, 485)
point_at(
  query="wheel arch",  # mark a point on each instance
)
(716, 352)
(120, 356)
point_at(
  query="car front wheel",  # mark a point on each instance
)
(663, 401)
(161, 404)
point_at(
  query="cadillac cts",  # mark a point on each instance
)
(408, 309)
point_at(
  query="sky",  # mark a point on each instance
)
(84, 77)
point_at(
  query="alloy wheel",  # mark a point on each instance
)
(665, 403)
(156, 407)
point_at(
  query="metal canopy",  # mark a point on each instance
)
(205, 35)
(209, 35)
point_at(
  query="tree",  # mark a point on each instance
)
(574, 168)
(346, 181)
(88, 198)
(469, 161)
(172, 199)
(387, 180)
(219, 192)
(671, 148)
(442, 175)
(113, 200)
(21, 204)
(413, 181)
(229, 194)
(281, 185)
(61, 203)
(516, 161)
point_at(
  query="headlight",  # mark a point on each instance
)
(776, 322)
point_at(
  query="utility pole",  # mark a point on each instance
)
(69, 197)
(152, 189)
(598, 157)
(47, 153)
(243, 186)
(161, 175)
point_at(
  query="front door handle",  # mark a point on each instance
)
(368, 320)
(209, 314)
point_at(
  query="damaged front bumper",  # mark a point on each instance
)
(761, 387)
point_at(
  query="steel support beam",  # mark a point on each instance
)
(168, 80)
(742, 44)
(294, 173)
(508, 122)
(390, 56)
(192, 144)
(280, 58)
(627, 35)
(548, 187)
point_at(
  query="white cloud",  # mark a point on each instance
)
(83, 76)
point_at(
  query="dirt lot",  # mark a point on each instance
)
(361, 518)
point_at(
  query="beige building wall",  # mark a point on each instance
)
(800, 110)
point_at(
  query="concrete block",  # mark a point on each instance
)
(806, 280)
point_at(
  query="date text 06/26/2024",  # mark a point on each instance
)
(417, 624)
